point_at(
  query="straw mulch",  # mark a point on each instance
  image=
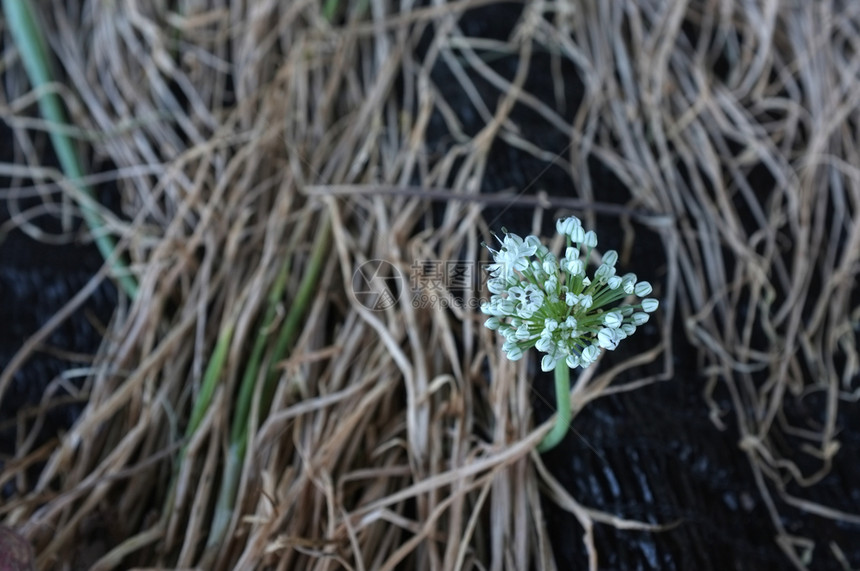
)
(243, 135)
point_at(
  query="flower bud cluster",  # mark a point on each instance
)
(543, 301)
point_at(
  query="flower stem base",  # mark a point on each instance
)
(563, 415)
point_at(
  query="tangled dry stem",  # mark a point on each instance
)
(400, 437)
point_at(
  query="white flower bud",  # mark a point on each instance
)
(612, 319)
(639, 318)
(525, 311)
(506, 307)
(513, 351)
(608, 338)
(589, 355)
(590, 239)
(564, 226)
(492, 323)
(649, 305)
(544, 344)
(547, 363)
(642, 289)
(628, 282)
(610, 257)
(496, 285)
(574, 267)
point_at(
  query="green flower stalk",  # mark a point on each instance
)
(542, 301)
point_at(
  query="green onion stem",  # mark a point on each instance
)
(288, 332)
(563, 416)
(31, 45)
